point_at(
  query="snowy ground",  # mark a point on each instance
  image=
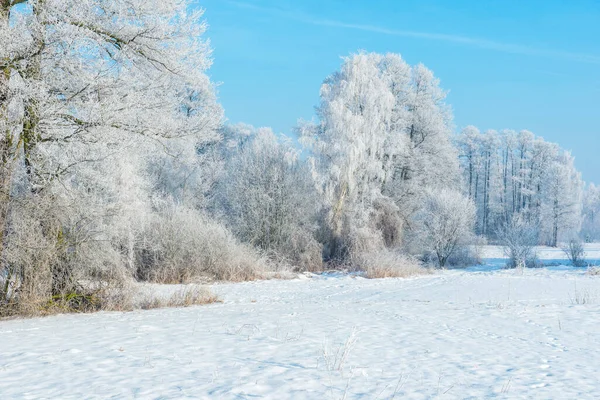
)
(546, 254)
(457, 334)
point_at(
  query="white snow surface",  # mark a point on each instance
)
(544, 253)
(451, 335)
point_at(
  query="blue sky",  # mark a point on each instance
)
(531, 64)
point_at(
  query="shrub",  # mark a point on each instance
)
(363, 240)
(388, 220)
(575, 251)
(181, 245)
(464, 256)
(468, 255)
(54, 262)
(302, 253)
(445, 222)
(519, 239)
(593, 271)
(268, 200)
(388, 264)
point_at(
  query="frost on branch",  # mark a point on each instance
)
(99, 101)
(382, 139)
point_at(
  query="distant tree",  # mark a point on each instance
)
(563, 199)
(591, 213)
(508, 174)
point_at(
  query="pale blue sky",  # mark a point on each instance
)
(531, 64)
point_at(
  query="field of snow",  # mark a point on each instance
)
(544, 253)
(456, 334)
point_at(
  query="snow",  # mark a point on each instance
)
(544, 253)
(456, 334)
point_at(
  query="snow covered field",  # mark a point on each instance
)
(457, 334)
(544, 253)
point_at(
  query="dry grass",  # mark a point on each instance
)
(83, 300)
(186, 297)
(192, 297)
(582, 297)
(594, 271)
(279, 275)
(123, 299)
(336, 358)
(388, 264)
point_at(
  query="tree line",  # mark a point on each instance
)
(509, 174)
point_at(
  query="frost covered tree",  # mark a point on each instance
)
(562, 208)
(91, 68)
(94, 73)
(519, 238)
(446, 220)
(88, 90)
(591, 213)
(479, 162)
(469, 143)
(268, 198)
(382, 138)
(512, 174)
(350, 145)
(432, 158)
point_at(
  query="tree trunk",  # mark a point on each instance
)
(337, 245)
(486, 192)
(471, 175)
(514, 186)
(10, 145)
(478, 225)
(505, 184)
(556, 221)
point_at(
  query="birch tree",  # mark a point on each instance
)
(563, 206)
(382, 138)
(510, 175)
(350, 145)
(591, 213)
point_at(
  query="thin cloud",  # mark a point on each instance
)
(440, 37)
